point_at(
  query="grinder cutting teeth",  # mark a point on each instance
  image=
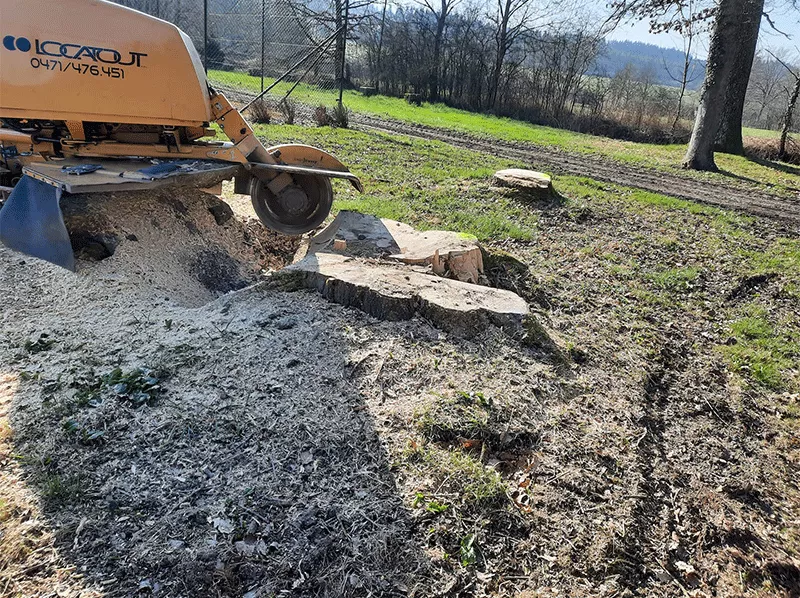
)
(80, 97)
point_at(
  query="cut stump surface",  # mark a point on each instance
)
(534, 184)
(395, 293)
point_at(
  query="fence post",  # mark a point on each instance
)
(344, 49)
(263, 35)
(205, 35)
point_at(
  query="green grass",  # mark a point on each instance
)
(430, 184)
(472, 484)
(782, 256)
(659, 157)
(764, 353)
(466, 416)
(766, 349)
(676, 280)
(433, 185)
(762, 133)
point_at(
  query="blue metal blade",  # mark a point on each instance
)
(31, 222)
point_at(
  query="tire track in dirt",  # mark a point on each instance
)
(741, 198)
(643, 545)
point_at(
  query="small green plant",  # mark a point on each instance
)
(432, 506)
(42, 343)
(138, 387)
(468, 551)
(473, 397)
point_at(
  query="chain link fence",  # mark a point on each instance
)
(249, 46)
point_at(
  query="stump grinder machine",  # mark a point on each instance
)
(98, 97)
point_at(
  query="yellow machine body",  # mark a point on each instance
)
(87, 60)
(91, 80)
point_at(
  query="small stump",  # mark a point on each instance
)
(529, 183)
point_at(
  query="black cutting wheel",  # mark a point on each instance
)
(299, 208)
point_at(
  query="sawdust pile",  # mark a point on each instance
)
(184, 242)
(152, 445)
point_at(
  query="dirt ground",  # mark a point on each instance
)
(167, 429)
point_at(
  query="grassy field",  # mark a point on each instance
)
(762, 133)
(433, 185)
(779, 178)
(684, 319)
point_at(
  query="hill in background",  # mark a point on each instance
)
(616, 55)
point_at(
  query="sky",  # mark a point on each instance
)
(786, 19)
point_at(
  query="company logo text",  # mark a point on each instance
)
(56, 49)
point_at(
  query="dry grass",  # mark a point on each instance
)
(764, 148)
(29, 560)
(261, 112)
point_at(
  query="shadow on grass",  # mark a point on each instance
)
(774, 164)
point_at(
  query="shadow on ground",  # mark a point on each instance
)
(251, 465)
(158, 447)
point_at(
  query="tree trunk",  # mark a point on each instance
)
(724, 48)
(437, 53)
(787, 118)
(339, 48)
(729, 136)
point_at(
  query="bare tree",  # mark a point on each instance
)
(342, 16)
(440, 9)
(764, 89)
(687, 27)
(736, 23)
(788, 115)
(511, 21)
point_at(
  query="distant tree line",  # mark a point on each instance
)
(546, 61)
(535, 61)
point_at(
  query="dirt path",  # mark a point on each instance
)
(742, 197)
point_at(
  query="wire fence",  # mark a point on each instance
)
(249, 46)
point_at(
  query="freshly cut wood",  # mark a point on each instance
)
(451, 254)
(531, 183)
(396, 293)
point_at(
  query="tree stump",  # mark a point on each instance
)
(529, 183)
